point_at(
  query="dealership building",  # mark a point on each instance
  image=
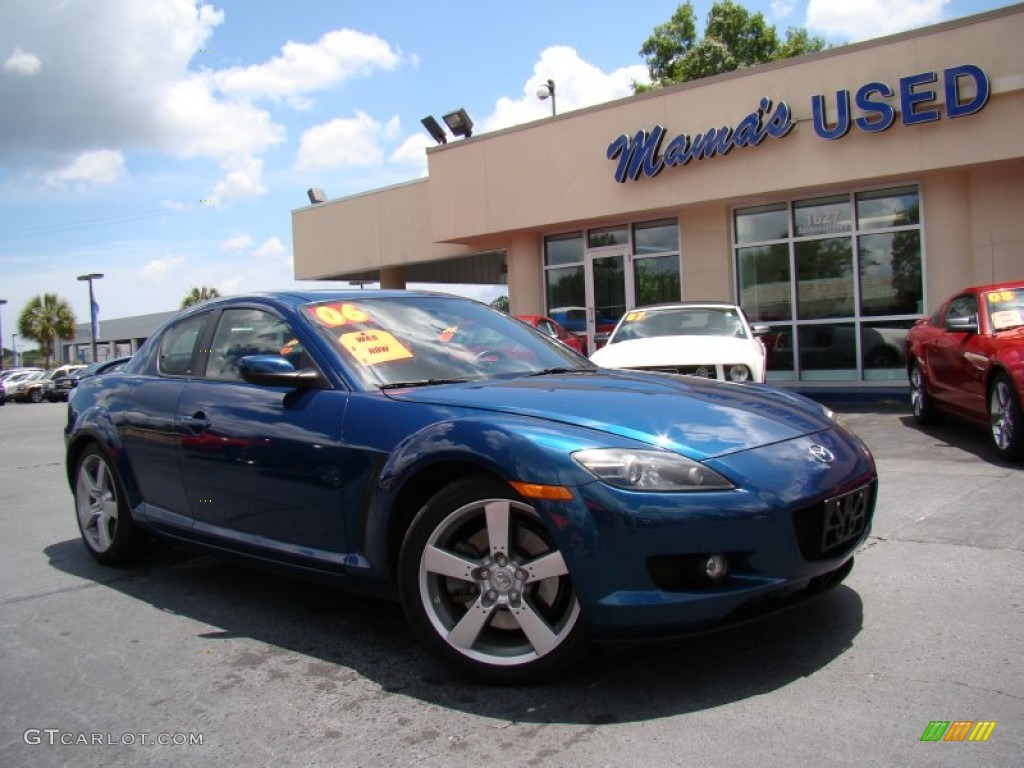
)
(837, 197)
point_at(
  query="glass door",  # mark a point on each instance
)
(609, 284)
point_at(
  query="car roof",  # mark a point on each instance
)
(688, 305)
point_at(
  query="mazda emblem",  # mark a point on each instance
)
(822, 454)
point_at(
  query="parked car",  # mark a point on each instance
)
(16, 386)
(967, 360)
(62, 382)
(574, 320)
(712, 340)
(517, 500)
(555, 331)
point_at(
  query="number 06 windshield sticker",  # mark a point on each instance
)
(374, 347)
(333, 315)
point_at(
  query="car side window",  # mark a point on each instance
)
(962, 306)
(242, 332)
(178, 346)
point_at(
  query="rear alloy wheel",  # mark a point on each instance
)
(101, 507)
(1005, 418)
(920, 401)
(35, 396)
(484, 586)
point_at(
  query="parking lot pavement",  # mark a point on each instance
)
(265, 670)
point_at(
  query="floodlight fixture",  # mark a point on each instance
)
(547, 89)
(434, 129)
(316, 195)
(459, 123)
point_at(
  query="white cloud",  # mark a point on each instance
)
(243, 181)
(23, 63)
(780, 9)
(101, 166)
(174, 205)
(158, 270)
(337, 56)
(865, 19)
(577, 84)
(236, 243)
(345, 143)
(273, 248)
(194, 123)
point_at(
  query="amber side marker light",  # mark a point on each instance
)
(536, 491)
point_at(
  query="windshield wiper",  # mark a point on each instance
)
(548, 371)
(422, 383)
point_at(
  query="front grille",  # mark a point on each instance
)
(833, 527)
(703, 371)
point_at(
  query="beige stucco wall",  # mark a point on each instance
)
(385, 228)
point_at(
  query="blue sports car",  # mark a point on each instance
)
(517, 500)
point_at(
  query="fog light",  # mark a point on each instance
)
(716, 567)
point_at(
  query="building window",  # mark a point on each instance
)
(656, 263)
(838, 279)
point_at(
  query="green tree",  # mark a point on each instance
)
(47, 319)
(199, 295)
(501, 302)
(733, 38)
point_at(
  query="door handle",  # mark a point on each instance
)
(197, 422)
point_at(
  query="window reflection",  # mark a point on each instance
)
(764, 282)
(824, 278)
(890, 273)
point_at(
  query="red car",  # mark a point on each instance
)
(967, 360)
(551, 328)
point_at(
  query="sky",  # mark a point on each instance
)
(164, 143)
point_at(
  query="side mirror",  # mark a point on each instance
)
(276, 371)
(962, 324)
(760, 329)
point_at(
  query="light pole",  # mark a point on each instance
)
(2, 302)
(14, 349)
(92, 310)
(547, 89)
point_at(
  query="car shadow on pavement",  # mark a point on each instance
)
(953, 434)
(342, 634)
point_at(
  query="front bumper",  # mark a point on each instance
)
(631, 554)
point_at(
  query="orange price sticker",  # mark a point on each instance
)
(634, 316)
(333, 315)
(374, 347)
(447, 334)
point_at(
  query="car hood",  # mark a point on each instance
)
(698, 418)
(678, 350)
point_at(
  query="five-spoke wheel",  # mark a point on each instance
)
(103, 517)
(1005, 418)
(484, 585)
(920, 400)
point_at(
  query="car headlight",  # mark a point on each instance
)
(649, 470)
(738, 373)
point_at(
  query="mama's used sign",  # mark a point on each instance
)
(642, 154)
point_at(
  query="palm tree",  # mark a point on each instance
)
(47, 319)
(199, 295)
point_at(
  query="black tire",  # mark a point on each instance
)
(921, 403)
(101, 508)
(1005, 424)
(485, 588)
(35, 396)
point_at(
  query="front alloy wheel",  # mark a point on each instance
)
(106, 525)
(920, 401)
(485, 587)
(1005, 418)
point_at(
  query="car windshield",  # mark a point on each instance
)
(1006, 308)
(435, 339)
(679, 321)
